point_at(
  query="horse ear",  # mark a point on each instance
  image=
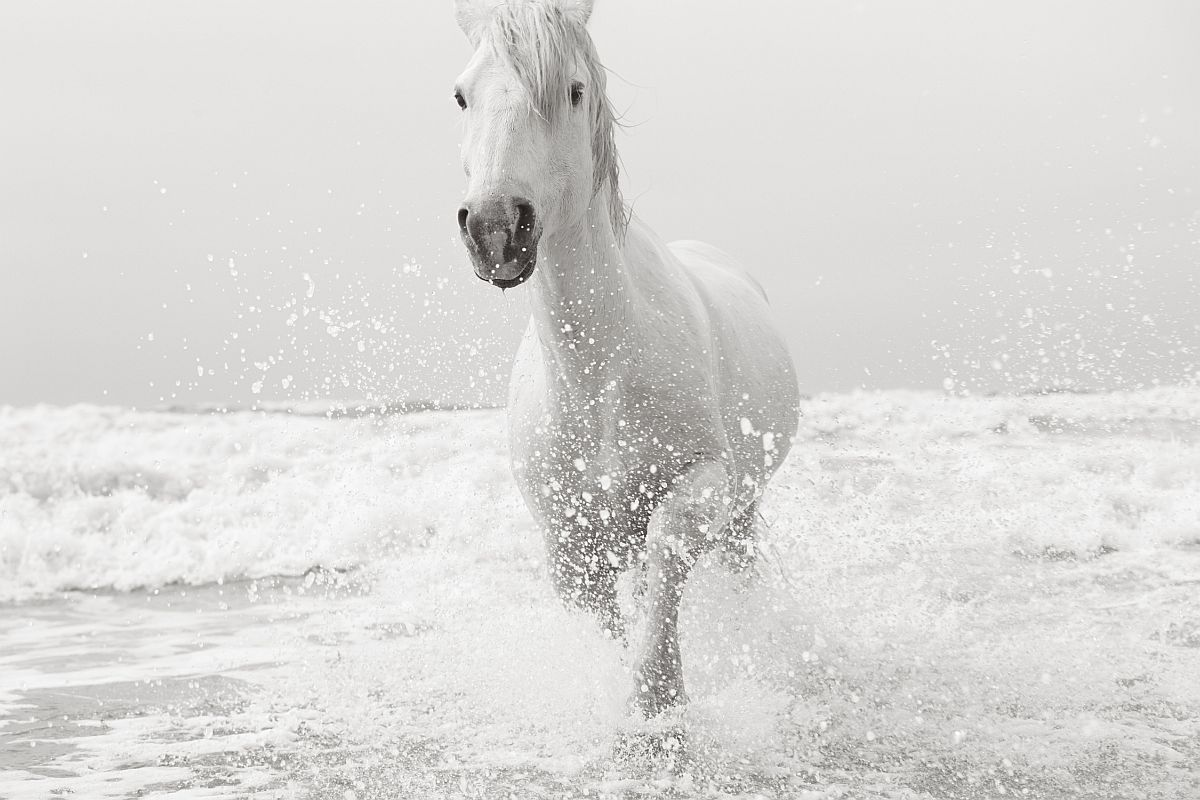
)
(471, 15)
(580, 10)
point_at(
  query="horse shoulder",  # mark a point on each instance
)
(756, 379)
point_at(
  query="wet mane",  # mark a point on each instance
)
(543, 44)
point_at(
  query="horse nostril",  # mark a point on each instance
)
(462, 219)
(525, 218)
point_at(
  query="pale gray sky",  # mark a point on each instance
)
(1007, 194)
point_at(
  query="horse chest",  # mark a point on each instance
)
(583, 483)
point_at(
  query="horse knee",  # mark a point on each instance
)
(694, 514)
(588, 585)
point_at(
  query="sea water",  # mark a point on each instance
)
(954, 597)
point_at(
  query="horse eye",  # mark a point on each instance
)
(576, 93)
(462, 103)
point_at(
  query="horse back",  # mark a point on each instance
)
(701, 256)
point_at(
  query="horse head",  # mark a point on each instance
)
(538, 147)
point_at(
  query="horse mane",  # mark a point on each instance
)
(542, 43)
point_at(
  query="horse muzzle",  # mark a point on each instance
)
(501, 235)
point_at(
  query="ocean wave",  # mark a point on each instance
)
(108, 498)
(95, 498)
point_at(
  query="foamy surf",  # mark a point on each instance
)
(957, 597)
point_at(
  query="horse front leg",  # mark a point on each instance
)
(683, 526)
(585, 578)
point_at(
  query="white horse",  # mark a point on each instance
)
(652, 398)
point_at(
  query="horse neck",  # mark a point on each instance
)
(582, 300)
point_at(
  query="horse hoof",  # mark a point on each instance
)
(656, 750)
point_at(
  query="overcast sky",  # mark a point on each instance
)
(225, 200)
